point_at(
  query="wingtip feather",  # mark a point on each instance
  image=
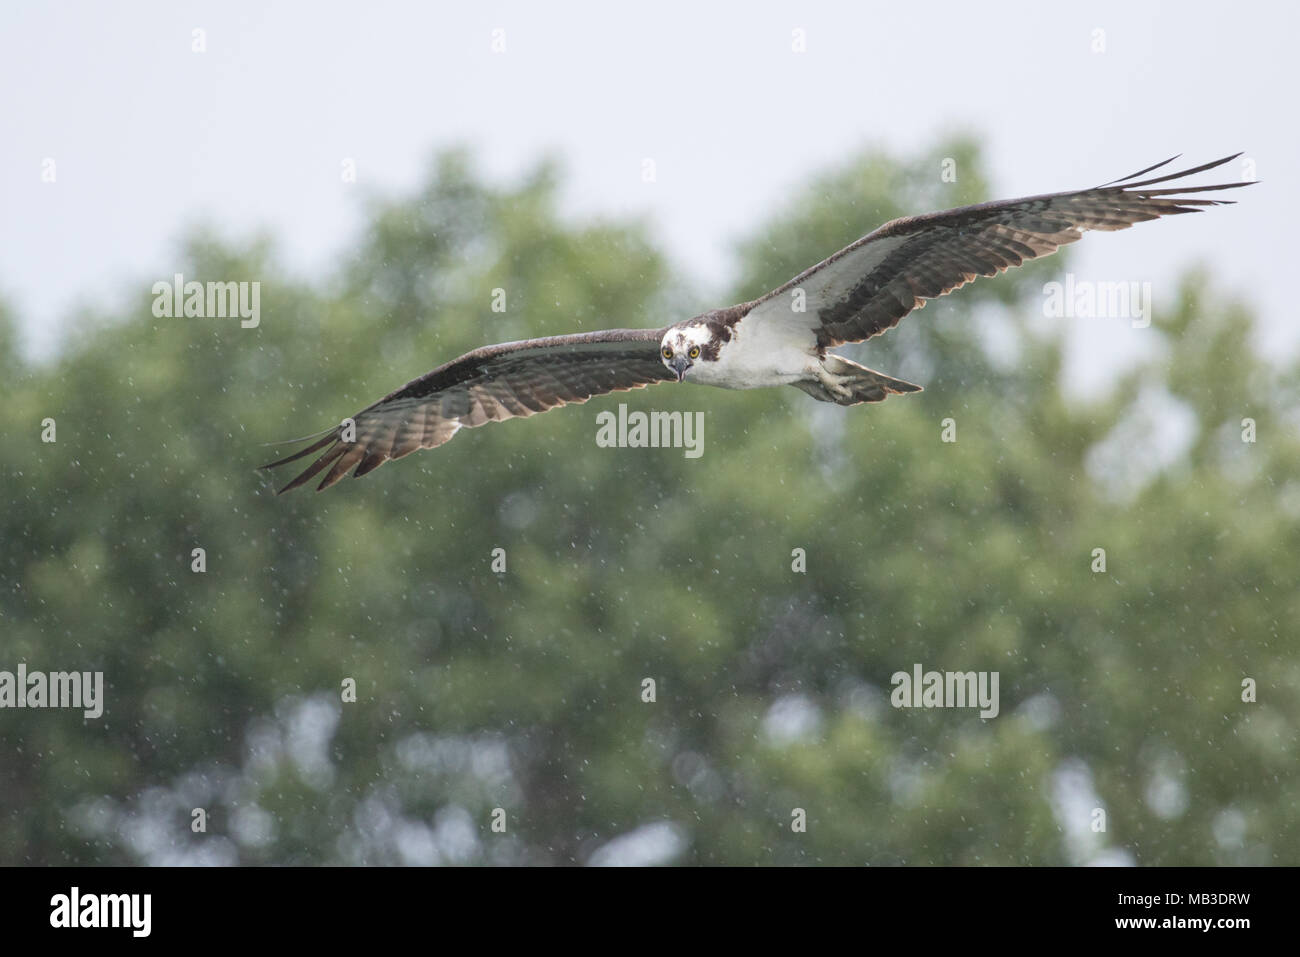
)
(301, 452)
(1140, 172)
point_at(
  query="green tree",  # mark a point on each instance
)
(524, 690)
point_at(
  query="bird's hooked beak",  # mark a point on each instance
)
(679, 364)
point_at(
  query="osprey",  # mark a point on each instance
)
(779, 339)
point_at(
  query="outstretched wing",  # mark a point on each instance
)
(486, 385)
(869, 286)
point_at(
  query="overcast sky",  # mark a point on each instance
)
(149, 137)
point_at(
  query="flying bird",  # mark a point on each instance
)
(859, 292)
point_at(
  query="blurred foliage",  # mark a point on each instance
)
(522, 690)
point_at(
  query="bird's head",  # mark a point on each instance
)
(682, 347)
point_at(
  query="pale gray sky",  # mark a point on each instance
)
(149, 137)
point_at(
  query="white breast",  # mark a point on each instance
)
(759, 354)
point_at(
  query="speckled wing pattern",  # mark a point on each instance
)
(867, 287)
(486, 385)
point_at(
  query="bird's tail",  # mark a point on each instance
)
(844, 382)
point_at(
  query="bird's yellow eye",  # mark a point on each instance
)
(668, 353)
(695, 352)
